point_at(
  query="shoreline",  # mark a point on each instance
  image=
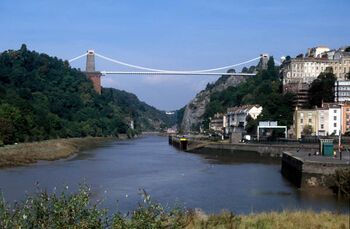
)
(318, 176)
(49, 150)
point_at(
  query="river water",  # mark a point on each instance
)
(117, 170)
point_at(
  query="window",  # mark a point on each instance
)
(347, 116)
(335, 111)
(322, 113)
(301, 120)
(335, 124)
(322, 126)
(310, 114)
(301, 114)
(335, 118)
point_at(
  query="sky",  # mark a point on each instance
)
(169, 34)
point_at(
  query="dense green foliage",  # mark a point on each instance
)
(263, 89)
(322, 89)
(43, 98)
(78, 210)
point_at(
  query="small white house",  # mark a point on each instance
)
(237, 117)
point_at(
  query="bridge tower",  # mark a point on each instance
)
(91, 73)
(264, 58)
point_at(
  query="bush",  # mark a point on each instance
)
(2, 144)
(342, 182)
(43, 210)
(76, 210)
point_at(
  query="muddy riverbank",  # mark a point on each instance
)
(49, 150)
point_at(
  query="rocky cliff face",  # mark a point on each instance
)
(196, 107)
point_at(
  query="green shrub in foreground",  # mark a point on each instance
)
(76, 210)
(64, 210)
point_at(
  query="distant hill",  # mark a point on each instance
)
(42, 97)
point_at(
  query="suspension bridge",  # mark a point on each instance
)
(95, 76)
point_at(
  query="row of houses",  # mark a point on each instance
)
(329, 119)
(301, 71)
(235, 119)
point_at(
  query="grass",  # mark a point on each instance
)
(27, 153)
(274, 220)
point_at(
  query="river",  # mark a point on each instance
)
(117, 170)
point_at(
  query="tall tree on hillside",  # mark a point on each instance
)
(322, 89)
(271, 64)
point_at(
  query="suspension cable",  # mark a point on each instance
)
(75, 58)
(161, 70)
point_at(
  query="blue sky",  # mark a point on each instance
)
(178, 35)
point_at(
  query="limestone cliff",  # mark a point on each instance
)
(196, 107)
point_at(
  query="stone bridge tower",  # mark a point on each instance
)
(264, 58)
(91, 73)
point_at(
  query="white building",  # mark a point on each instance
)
(342, 91)
(322, 128)
(334, 117)
(237, 117)
(317, 51)
(304, 70)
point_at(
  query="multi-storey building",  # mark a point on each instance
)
(237, 117)
(334, 117)
(299, 72)
(342, 91)
(345, 117)
(303, 118)
(304, 70)
(217, 123)
(331, 118)
(322, 121)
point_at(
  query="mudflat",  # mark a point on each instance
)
(27, 153)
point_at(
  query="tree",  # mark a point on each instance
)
(6, 131)
(244, 70)
(251, 124)
(252, 69)
(322, 89)
(348, 76)
(271, 64)
(307, 130)
(42, 97)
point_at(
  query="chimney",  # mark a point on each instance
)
(308, 52)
